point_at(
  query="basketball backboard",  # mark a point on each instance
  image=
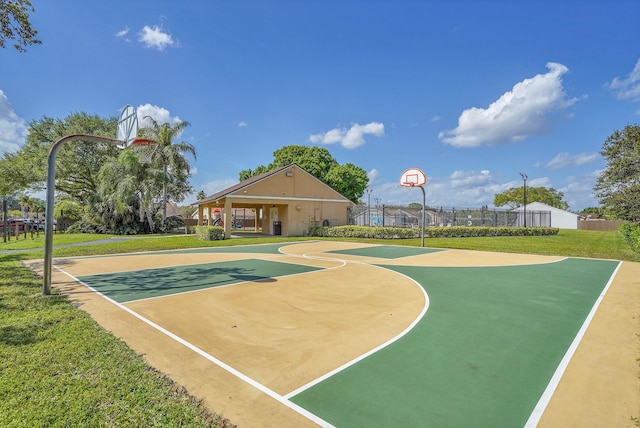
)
(413, 177)
(127, 126)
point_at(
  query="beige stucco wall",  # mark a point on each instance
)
(301, 200)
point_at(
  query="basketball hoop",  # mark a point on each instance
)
(413, 177)
(143, 142)
(407, 186)
(144, 149)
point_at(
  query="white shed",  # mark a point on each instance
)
(559, 218)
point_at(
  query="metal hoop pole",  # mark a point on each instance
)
(51, 182)
(424, 197)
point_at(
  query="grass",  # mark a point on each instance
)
(569, 243)
(59, 368)
(37, 242)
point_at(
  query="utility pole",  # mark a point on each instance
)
(524, 178)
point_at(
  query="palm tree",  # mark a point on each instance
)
(125, 184)
(26, 204)
(169, 155)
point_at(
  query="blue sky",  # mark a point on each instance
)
(471, 92)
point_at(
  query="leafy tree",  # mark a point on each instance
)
(248, 173)
(14, 24)
(514, 197)
(171, 157)
(77, 162)
(618, 187)
(68, 208)
(415, 205)
(14, 174)
(201, 195)
(186, 211)
(349, 179)
(315, 160)
(125, 197)
(27, 204)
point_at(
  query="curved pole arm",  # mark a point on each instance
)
(51, 182)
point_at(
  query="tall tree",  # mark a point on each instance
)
(27, 203)
(349, 179)
(77, 163)
(514, 197)
(171, 157)
(618, 186)
(15, 24)
(317, 161)
(127, 189)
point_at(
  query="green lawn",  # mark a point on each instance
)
(59, 368)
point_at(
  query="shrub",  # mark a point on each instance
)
(83, 226)
(430, 232)
(631, 233)
(209, 233)
(170, 224)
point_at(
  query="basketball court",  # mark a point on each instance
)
(348, 334)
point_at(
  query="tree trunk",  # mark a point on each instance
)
(164, 195)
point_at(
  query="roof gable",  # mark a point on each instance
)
(271, 183)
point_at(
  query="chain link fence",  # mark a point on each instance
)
(397, 216)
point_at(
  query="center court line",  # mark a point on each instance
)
(282, 400)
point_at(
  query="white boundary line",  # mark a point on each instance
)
(282, 400)
(542, 404)
(532, 422)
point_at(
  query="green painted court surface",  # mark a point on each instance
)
(482, 355)
(386, 251)
(143, 284)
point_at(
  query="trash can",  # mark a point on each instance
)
(277, 228)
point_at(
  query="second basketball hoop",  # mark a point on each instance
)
(413, 177)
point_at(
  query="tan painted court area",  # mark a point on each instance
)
(243, 347)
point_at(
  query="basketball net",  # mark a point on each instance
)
(144, 148)
(408, 186)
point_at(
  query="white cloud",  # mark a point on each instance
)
(526, 110)
(349, 138)
(242, 124)
(628, 88)
(436, 119)
(123, 33)
(213, 187)
(564, 159)
(160, 114)
(461, 189)
(154, 37)
(13, 129)
(473, 189)
(373, 175)
(578, 192)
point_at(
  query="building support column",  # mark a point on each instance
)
(227, 218)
